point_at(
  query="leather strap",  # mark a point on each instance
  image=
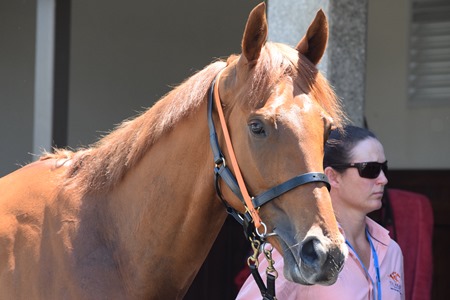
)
(237, 172)
(286, 186)
(267, 293)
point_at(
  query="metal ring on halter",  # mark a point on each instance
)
(271, 234)
(264, 234)
(222, 163)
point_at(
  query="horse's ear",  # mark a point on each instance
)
(255, 34)
(313, 44)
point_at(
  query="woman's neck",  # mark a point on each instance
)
(354, 225)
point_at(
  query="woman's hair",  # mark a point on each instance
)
(340, 144)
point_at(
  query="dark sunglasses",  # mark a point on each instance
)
(369, 170)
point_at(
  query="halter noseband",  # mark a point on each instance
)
(250, 220)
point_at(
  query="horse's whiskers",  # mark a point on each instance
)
(336, 268)
(293, 246)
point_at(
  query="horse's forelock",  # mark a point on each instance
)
(278, 61)
(272, 66)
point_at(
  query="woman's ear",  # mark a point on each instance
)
(333, 176)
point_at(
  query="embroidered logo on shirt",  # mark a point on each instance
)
(395, 282)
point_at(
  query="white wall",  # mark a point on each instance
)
(414, 137)
(126, 55)
(17, 29)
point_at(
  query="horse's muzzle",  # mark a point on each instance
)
(318, 261)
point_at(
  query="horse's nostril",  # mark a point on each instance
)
(312, 252)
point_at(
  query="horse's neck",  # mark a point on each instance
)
(166, 212)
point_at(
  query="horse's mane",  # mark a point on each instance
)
(101, 166)
(104, 164)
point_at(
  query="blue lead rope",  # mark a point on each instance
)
(375, 262)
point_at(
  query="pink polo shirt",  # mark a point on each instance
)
(352, 282)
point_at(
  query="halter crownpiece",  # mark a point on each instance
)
(237, 184)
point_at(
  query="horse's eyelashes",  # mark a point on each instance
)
(257, 128)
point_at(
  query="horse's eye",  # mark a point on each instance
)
(257, 128)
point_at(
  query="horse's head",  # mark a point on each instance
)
(279, 111)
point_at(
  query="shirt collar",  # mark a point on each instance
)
(378, 232)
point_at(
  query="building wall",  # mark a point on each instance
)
(415, 137)
(17, 30)
(124, 57)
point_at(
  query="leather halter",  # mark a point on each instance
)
(237, 184)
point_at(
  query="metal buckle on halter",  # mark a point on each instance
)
(262, 235)
(220, 162)
(271, 262)
(267, 291)
(253, 259)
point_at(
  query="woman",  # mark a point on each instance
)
(356, 167)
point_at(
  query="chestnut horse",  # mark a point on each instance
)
(135, 215)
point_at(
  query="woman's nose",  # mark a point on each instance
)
(382, 179)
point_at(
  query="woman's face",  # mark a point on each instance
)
(360, 193)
